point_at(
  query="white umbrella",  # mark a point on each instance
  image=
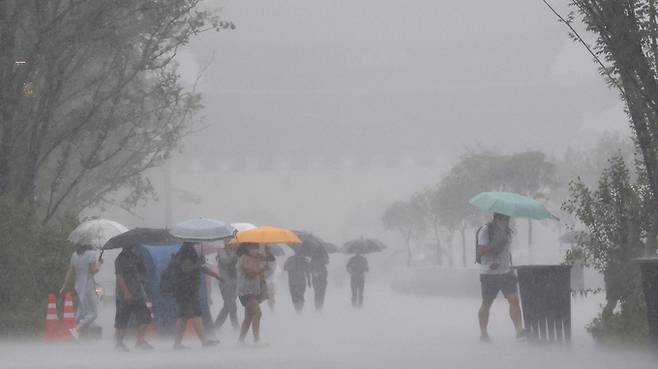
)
(202, 229)
(242, 226)
(96, 232)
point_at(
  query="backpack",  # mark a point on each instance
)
(478, 255)
(169, 276)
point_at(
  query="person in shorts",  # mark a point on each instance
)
(251, 287)
(131, 298)
(496, 274)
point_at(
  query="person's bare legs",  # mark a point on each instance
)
(483, 317)
(515, 312)
(255, 324)
(141, 332)
(248, 316)
(180, 331)
(198, 328)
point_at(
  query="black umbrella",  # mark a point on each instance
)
(140, 236)
(313, 246)
(331, 248)
(363, 246)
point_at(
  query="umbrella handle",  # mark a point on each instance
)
(100, 258)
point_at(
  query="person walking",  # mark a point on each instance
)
(496, 274)
(227, 262)
(319, 274)
(298, 277)
(131, 297)
(357, 266)
(251, 286)
(186, 293)
(82, 267)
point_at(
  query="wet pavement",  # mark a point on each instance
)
(391, 331)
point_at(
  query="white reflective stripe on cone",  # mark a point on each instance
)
(51, 317)
(52, 306)
(68, 303)
(69, 315)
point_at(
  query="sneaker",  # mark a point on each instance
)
(120, 347)
(74, 333)
(181, 347)
(485, 338)
(210, 343)
(144, 346)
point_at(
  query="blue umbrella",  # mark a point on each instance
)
(512, 204)
(202, 229)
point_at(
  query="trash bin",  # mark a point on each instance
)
(649, 270)
(546, 301)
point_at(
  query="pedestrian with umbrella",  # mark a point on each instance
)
(493, 252)
(318, 252)
(87, 237)
(82, 267)
(188, 266)
(299, 276)
(253, 267)
(130, 272)
(357, 265)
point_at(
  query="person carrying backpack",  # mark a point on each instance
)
(493, 254)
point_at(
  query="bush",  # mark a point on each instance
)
(33, 261)
(626, 327)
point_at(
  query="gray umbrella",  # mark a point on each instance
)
(363, 246)
(202, 229)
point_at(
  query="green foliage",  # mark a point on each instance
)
(626, 327)
(616, 219)
(33, 261)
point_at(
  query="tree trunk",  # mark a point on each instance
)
(439, 249)
(463, 234)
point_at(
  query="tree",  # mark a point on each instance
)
(615, 217)
(402, 217)
(425, 203)
(626, 51)
(90, 97)
(528, 173)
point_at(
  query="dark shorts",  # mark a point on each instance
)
(189, 306)
(492, 283)
(125, 310)
(245, 299)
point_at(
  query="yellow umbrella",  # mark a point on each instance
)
(267, 234)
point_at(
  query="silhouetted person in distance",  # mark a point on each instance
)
(496, 274)
(318, 268)
(298, 277)
(227, 262)
(357, 266)
(186, 292)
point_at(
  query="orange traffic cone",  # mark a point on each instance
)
(68, 321)
(52, 322)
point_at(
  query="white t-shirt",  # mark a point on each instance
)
(502, 258)
(84, 278)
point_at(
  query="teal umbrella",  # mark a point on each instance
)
(512, 204)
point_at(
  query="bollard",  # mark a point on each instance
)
(68, 318)
(546, 301)
(52, 321)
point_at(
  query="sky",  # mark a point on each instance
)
(318, 114)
